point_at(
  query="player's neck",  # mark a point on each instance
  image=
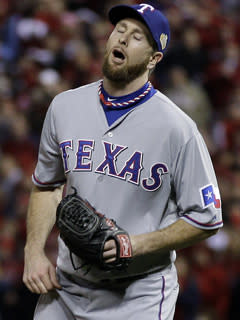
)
(116, 90)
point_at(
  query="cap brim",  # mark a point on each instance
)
(120, 12)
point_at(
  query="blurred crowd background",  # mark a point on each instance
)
(47, 46)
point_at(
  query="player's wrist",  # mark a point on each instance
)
(136, 249)
(146, 243)
(33, 249)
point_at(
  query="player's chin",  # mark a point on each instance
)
(115, 72)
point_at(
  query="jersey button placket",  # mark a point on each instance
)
(110, 134)
(100, 178)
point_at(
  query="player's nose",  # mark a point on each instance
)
(123, 40)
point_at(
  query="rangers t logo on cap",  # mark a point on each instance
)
(144, 7)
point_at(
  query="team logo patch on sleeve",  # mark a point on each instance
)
(210, 196)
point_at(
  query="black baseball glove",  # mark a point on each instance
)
(85, 232)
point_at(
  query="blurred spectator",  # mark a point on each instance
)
(51, 12)
(188, 53)
(234, 309)
(11, 176)
(188, 303)
(19, 145)
(189, 96)
(223, 75)
(9, 40)
(211, 270)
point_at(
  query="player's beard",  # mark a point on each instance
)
(125, 74)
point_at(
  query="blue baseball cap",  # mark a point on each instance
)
(156, 22)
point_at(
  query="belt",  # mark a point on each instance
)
(108, 281)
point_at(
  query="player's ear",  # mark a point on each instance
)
(154, 59)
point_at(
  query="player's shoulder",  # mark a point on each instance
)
(174, 118)
(169, 109)
(171, 112)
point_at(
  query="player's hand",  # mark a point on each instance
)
(110, 251)
(39, 273)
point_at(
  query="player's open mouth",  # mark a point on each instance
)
(118, 56)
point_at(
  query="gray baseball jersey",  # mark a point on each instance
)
(148, 169)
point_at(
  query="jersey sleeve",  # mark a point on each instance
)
(49, 171)
(196, 187)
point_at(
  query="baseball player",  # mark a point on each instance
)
(138, 159)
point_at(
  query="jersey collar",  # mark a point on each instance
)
(123, 101)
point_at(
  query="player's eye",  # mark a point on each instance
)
(121, 29)
(137, 36)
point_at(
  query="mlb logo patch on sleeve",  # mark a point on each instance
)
(210, 196)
